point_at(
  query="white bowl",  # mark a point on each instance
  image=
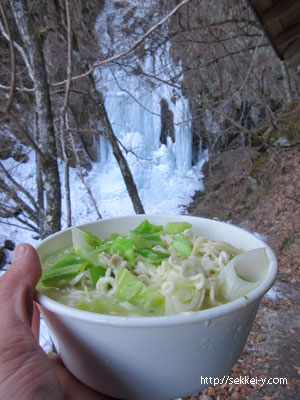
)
(146, 358)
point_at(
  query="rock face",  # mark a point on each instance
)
(167, 122)
(251, 185)
(258, 188)
(8, 245)
(11, 147)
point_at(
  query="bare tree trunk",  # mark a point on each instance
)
(108, 133)
(33, 46)
(126, 173)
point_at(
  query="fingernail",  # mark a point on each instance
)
(19, 252)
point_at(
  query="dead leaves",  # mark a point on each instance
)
(272, 348)
(297, 369)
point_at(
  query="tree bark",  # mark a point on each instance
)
(33, 47)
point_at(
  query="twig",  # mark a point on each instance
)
(82, 178)
(18, 226)
(20, 204)
(236, 124)
(17, 88)
(18, 186)
(24, 132)
(39, 176)
(292, 198)
(132, 96)
(130, 49)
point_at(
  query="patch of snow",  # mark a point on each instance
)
(273, 294)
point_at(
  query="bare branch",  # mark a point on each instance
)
(31, 228)
(130, 49)
(18, 186)
(24, 132)
(82, 177)
(39, 175)
(20, 89)
(21, 206)
(133, 97)
(232, 121)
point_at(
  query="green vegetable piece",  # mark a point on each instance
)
(96, 273)
(52, 276)
(125, 247)
(146, 235)
(106, 247)
(148, 228)
(145, 240)
(152, 256)
(69, 259)
(51, 260)
(79, 257)
(131, 289)
(91, 256)
(79, 240)
(103, 306)
(92, 239)
(172, 228)
(182, 245)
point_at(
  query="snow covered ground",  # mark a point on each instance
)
(162, 188)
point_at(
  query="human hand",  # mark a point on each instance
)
(26, 372)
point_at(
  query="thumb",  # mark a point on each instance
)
(17, 287)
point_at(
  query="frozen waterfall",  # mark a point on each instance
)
(135, 108)
(151, 120)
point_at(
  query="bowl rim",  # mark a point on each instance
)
(190, 317)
